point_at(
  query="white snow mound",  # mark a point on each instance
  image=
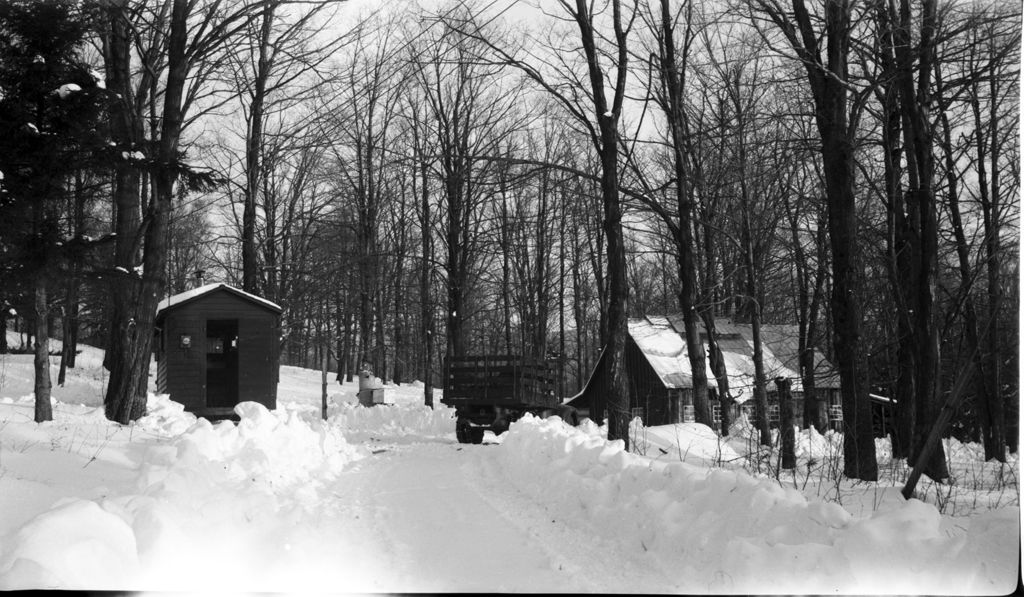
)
(199, 496)
(720, 531)
(394, 422)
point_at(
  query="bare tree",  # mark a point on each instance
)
(196, 38)
(836, 117)
(601, 121)
(366, 109)
(670, 95)
(279, 51)
(468, 105)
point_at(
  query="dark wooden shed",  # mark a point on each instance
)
(217, 345)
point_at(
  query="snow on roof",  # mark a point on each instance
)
(664, 349)
(189, 295)
(662, 344)
(784, 341)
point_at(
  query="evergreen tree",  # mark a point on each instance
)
(49, 115)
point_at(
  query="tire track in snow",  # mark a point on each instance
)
(437, 522)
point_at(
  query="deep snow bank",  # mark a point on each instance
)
(213, 503)
(394, 422)
(726, 531)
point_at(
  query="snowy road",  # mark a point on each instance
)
(384, 500)
(432, 520)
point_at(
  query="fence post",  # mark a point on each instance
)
(782, 386)
(323, 385)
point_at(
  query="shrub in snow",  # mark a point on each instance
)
(726, 531)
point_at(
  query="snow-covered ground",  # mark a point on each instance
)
(384, 499)
(977, 485)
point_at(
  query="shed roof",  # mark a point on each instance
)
(188, 296)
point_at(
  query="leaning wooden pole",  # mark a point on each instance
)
(952, 402)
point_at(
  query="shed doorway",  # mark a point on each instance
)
(221, 363)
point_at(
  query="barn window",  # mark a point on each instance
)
(835, 413)
(689, 415)
(716, 414)
(773, 414)
(636, 412)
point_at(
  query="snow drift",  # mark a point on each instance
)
(400, 422)
(215, 489)
(725, 532)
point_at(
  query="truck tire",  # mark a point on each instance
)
(569, 414)
(462, 430)
(467, 434)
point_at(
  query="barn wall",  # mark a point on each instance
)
(647, 392)
(592, 400)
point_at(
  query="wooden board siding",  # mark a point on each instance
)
(257, 342)
(186, 368)
(647, 392)
(507, 380)
(182, 372)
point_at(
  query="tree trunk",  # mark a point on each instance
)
(126, 133)
(399, 325)
(426, 269)
(381, 355)
(827, 82)
(607, 117)
(125, 400)
(717, 361)
(979, 379)
(685, 246)
(994, 436)
(41, 362)
(922, 220)
(253, 149)
(754, 305)
(858, 442)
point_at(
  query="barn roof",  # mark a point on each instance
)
(664, 350)
(784, 341)
(191, 295)
(660, 339)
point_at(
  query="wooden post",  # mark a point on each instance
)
(323, 384)
(782, 386)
